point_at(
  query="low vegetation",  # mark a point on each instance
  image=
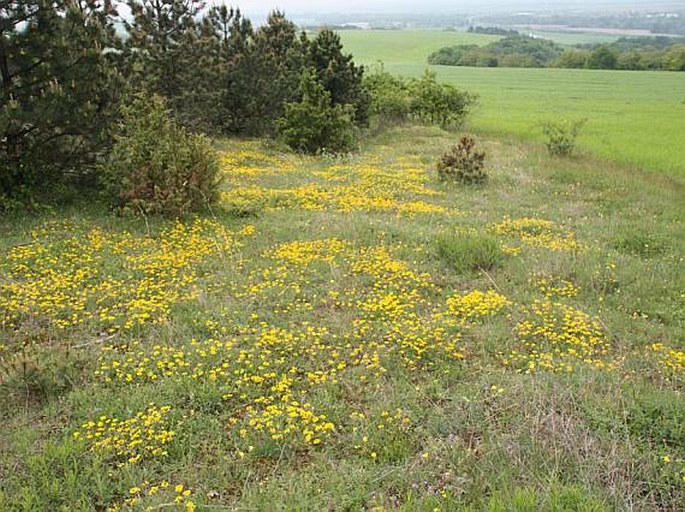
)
(369, 337)
(463, 162)
(156, 166)
(561, 136)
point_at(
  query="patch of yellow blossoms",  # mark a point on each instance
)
(130, 440)
(113, 280)
(369, 186)
(670, 360)
(475, 305)
(557, 337)
(177, 497)
(553, 287)
(538, 232)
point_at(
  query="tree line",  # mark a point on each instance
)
(79, 100)
(65, 72)
(641, 53)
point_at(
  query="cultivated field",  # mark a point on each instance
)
(351, 334)
(632, 117)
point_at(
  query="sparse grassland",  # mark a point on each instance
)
(637, 118)
(316, 343)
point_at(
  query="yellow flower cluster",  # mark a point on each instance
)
(265, 373)
(289, 420)
(553, 287)
(670, 359)
(177, 496)
(143, 436)
(475, 305)
(538, 232)
(371, 186)
(246, 163)
(305, 252)
(114, 280)
(557, 337)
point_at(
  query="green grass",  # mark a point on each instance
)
(343, 298)
(635, 118)
(397, 47)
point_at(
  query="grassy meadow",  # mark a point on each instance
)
(352, 334)
(637, 118)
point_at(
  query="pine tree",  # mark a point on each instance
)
(59, 90)
(279, 59)
(231, 39)
(163, 48)
(339, 74)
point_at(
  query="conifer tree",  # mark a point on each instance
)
(59, 89)
(163, 47)
(339, 74)
(279, 60)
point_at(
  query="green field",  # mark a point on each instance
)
(397, 47)
(632, 117)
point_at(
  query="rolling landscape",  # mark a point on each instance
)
(239, 273)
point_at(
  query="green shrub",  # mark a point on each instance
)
(156, 166)
(440, 104)
(390, 98)
(314, 125)
(463, 162)
(423, 100)
(466, 252)
(561, 136)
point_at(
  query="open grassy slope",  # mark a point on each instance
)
(351, 334)
(633, 117)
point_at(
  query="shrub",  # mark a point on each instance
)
(465, 252)
(314, 125)
(436, 103)
(390, 98)
(463, 162)
(156, 166)
(561, 136)
(423, 100)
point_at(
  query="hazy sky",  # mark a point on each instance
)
(406, 6)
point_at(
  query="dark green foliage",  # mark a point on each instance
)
(440, 104)
(640, 243)
(390, 97)
(602, 58)
(561, 136)
(35, 374)
(232, 80)
(512, 51)
(58, 92)
(469, 252)
(279, 57)
(315, 124)
(463, 162)
(494, 31)
(164, 53)
(674, 59)
(156, 166)
(630, 53)
(422, 100)
(338, 74)
(572, 59)
(658, 417)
